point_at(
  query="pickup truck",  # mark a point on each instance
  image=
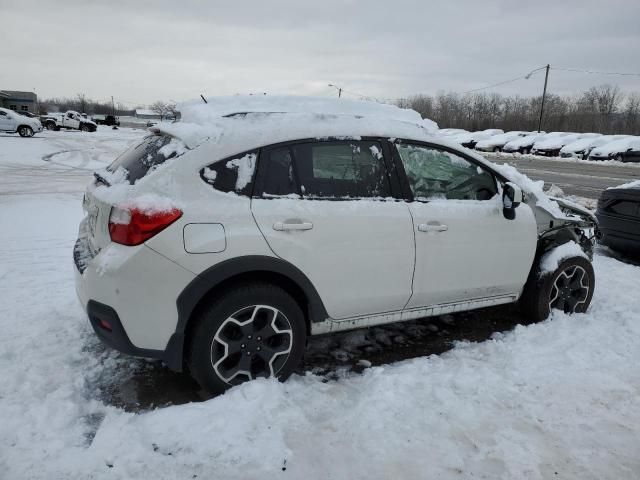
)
(70, 120)
(107, 120)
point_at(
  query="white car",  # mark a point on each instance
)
(615, 150)
(523, 144)
(582, 147)
(497, 142)
(469, 139)
(451, 131)
(551, 144)
(219, 243)
(12, 122)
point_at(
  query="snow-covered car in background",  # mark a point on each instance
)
(451, 131)
(582, 147)
(523, 144)
(70, 120)
(616, 149)
(618, 215)
(219, 243)
(469, 139)
(497, 142)
(551, 145)
(12, 122)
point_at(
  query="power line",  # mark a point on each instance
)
(595, 72)
(527, 76)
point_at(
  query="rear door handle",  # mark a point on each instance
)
(432, 227)
(285, 226)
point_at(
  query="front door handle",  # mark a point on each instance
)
(432, 227)
(286, 226)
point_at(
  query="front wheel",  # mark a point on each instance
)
(85, 128)
(252, 331)
(25, 131)
(569, 288)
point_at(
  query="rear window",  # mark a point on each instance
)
(142, 158)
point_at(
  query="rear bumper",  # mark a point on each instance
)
(120, 286)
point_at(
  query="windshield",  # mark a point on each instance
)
(138, 160)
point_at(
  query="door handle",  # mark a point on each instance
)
(286, 226)
(432, 227)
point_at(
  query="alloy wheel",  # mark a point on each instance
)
(570, 289)
(252, 342)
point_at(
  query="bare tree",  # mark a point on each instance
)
(160, 108)
(82, 102)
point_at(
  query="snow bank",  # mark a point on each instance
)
(552, 259)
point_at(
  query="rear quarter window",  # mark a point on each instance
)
(234, 174)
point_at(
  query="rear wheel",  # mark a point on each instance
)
(253, 331)
(50, 126)
(619, 157)
(85, 128)
(25, 131)
(569, 289)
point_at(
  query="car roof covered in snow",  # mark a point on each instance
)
(241, 123)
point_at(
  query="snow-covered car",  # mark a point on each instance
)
(469, 139)
(582, 147)
(12, 122)
(70, 120)
(497, 142)
(221, 242)
(523, 144)
(451, 131)
(616, 149)
(551, 144)
(618, 215)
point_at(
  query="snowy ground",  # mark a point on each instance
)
(560, 399)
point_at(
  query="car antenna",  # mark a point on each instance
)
(203, 99)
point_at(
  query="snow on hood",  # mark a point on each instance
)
(634, 184)
(499, 139)
(525, 141)
(617, 146)
(201, 122)
(556, 141)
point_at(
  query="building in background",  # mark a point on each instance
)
(19, 101)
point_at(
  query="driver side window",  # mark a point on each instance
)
(435, 174)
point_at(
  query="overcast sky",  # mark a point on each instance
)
(140, 51)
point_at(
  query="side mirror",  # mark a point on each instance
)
(511, 198)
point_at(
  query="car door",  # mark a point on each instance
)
(71, 121)
(465, 247)
(326, 207)
(5, 122)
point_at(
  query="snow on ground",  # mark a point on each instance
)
(560, 399)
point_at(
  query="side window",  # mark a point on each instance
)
(341, 169)
(438, 174)
(623, 207)
(233, 174)
(278, 176)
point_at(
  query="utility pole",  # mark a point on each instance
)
(338, 88)
(544, 94)
(113, 108)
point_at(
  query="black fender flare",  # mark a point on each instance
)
(216, 275)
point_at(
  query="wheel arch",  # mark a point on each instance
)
(223, 276)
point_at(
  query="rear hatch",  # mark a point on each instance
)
(131, 166)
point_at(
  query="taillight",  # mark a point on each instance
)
(133, 227)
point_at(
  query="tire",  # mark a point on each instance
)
(619, 157)
(225, 343)
(50, 126)
(525, 151)
(496, 149)
(542, 293)
(85, 128)
(25, 131)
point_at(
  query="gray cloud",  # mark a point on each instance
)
(144, 50)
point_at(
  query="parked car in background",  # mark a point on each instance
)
(71, 120)
(582, 147)
(551, 145)
(11, 122)
(469, 139)
(451, 131)
(523, 144)
(109, 120)
(616, 149)
(272, 227)
(618, 216)
(496, 143)
(631, 156)
(26, 114)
